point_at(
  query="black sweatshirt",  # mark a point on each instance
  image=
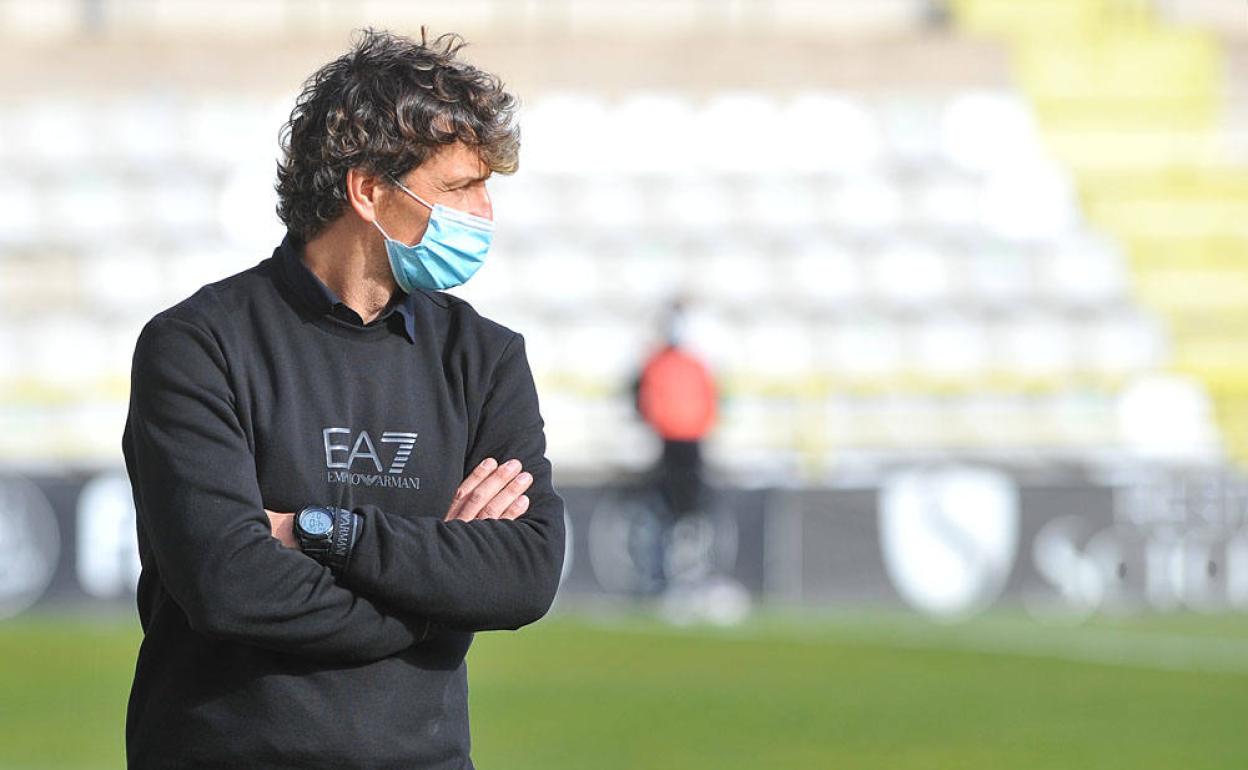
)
(255, 393)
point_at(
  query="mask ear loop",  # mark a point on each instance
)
(384, 234)
(419, 199)
(409, 192)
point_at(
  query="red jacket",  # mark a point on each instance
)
(676, 395)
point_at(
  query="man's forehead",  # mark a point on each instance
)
(457, 162)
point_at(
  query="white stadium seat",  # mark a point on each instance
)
(731, 128)
(774, 201)
(864, 346)
(1123, 343)
(1168, 417)
(1031, 201)
(609, 203)
(181, 205)
(142, 129)
(1035, 344)
(90, 205)
(950, 345)
(910, 273)
(649, 133)
(984, 130)
(603, 350)
(825, 273)
(911, 125)
(826, 133)
(944, 202)
(563, 133)
(23, 221)
(50, 131)
(528, 199)
(735, 272)
(1083, 271)
(562, 274)
(998, 274)
(864, 202)
(106, 267)
(779, 348)
(693, 202)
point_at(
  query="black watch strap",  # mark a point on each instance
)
(345, 534)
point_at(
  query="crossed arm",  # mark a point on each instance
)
(201, 514)
(491, 491)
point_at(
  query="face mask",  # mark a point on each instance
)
(452, 249)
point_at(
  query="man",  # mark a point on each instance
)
(675, 393)
(339, 470)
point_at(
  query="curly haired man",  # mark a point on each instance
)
(338, 468)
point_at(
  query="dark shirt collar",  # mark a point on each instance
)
(313, 292)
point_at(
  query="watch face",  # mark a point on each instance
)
(316, 521)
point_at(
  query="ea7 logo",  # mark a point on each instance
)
(345, 455)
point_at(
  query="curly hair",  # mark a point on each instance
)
(385, 107)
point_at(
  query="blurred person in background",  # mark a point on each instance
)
(675, 394)
(339, 470)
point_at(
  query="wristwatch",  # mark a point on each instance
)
(328, 535)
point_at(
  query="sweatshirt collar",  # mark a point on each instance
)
(313, 291)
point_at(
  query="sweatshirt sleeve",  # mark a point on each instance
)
(488, 574)
(200, 509)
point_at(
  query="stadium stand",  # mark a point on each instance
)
(887, 258)
(1141, 104)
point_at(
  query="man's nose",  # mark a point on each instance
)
(481, 205)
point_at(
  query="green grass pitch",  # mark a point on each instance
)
(788, 689)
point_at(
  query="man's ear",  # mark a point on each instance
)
(362, 191)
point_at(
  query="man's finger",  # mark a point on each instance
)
(479, 474)
(506, 497)
(516, 509)
(484, 492)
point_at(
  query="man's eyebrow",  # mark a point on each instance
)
(457, 181)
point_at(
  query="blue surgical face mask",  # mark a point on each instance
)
(452, 249)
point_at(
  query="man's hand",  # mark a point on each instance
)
(491, 491)
(283, 526)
